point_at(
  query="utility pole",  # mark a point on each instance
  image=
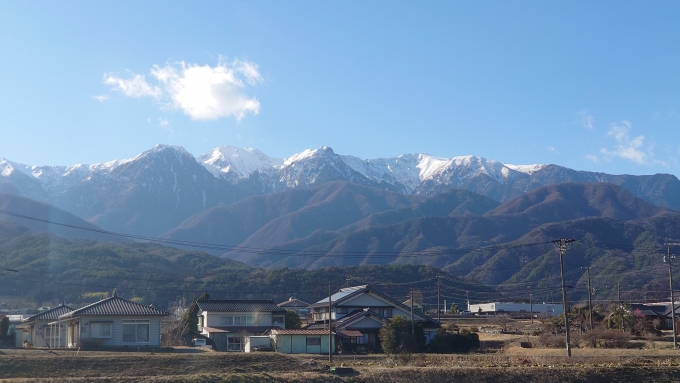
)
(668, 258)
(531, 304)
(562, 247)
(467, 300)
(618, 286)
(413, 326)
(330, 331)
(590, 299)
(439, 311)
(348, 278)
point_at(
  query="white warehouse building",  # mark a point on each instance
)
(515, 308)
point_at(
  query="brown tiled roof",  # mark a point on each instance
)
(115, 306)
(350, 333)
(52, 314)
(239, 305)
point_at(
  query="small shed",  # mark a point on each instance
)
(301, 341)
(259, 343)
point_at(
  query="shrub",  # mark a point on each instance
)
(606, 338)
(552, 341)
(449, 343)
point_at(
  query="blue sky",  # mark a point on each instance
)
(587, 85)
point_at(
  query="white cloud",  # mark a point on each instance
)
(101, 98)
(201, 92)
(586, 119)
(593, 158)
(164, 124)
(133, 87)
(627, 147)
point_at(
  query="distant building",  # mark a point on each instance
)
(301, 308)
(495, 308)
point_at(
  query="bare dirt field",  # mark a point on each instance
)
(69, 366)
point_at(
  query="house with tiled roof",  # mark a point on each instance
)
(301, 308)
(113, 322)
(230, 322)
(357, 314)
(38, 333)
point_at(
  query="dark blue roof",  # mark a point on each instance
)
(115, 306)
(52, 314)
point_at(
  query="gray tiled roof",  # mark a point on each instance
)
(239, 305)
(292, 302)
(52, 314)
(342, 294)
(115, 306)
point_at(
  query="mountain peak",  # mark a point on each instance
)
(237, 162)
(308, 154)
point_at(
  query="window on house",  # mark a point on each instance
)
(278, 320)
(385, 313)
(236, 320)
(313, 341)
(100, 330)
(233, 343)
(135, 331)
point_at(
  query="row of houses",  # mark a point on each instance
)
(355, 315)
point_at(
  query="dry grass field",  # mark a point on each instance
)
(500, 359)
(69, 366)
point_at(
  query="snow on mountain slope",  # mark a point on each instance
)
(410, 170)
(237, 163)
(406, 173)
(314, 166)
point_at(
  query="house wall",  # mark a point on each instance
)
(212, 319)
(19, 338)
(496, 307)
(366, 300)
(297, 344)
(366, 323)
(39, 326)
(116, 339)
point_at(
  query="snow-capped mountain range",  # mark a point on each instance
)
(405, 172)
(158, 189)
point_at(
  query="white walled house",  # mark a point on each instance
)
(113, 322)
(37, 331)
(230, 322)
(493, 308)
(358, 314)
